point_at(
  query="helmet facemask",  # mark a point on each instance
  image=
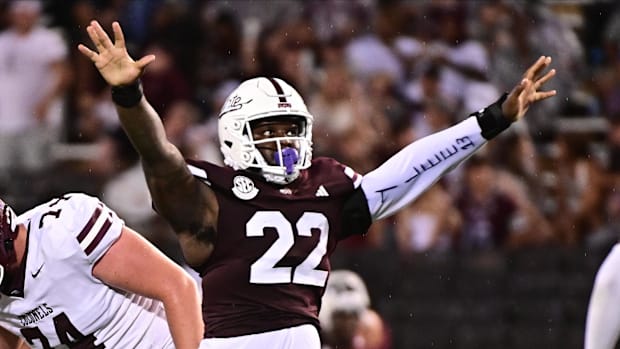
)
(278, 157)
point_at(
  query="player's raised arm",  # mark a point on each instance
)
(402, 178)
(188, 205)
(134, 265)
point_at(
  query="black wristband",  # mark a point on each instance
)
(491, 120)
(127, 96)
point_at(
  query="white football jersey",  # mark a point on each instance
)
(59, 303)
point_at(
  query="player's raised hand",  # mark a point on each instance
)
(528, 91)
(112, 59)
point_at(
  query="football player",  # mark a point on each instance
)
(603, 320)
(261, 229)
(347, 320)
(72, 275)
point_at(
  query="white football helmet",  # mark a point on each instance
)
(261, 98)
(345, 291)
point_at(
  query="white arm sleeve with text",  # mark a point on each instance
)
(414, 169)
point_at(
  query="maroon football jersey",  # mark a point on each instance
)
(270, 263)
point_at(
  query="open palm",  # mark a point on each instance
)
(528, 91)
(112, 59)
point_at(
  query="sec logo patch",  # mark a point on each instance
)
(244, 188)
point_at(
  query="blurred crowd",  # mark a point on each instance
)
(376, 74)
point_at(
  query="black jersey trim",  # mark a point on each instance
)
(356, 218)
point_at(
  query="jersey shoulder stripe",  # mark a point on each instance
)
(197, 171)
(95, 229)
(356, 178)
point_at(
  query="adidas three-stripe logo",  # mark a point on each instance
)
(321, 191)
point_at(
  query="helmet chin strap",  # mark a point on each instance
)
(288, 157)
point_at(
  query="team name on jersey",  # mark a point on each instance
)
(35, 315)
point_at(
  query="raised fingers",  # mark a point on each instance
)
(537, 67)
(92, 34)
(87, 52)
(101, 36)
(544, 95)
(544, 79)
(119, 37)
(144, 61)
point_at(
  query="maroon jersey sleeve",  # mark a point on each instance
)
(272, 246)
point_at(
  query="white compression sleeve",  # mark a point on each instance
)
(406, 175)
(603, 319)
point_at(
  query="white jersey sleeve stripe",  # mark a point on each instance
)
(355, 177)
(197, 171)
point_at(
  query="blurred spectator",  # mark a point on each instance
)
(610, 229)
(334, 19)
(96, 115)
(124, 188)
(347, 320)
(221, 47)
(338, 106)
(430, 224)
(181, 117)
(202, 137)
(581, 187)
(607, 88)
(163, 82)
(285, 50)
(34, 78)
(611, 36)
(388, 113)
(426, 89)
(523, 162)
(497, 209)
(367, 55)
(488, 214)
(463, 60)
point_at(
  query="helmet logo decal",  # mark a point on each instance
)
(234, 103)
(244, 188)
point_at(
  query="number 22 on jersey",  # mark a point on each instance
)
(265, 271)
